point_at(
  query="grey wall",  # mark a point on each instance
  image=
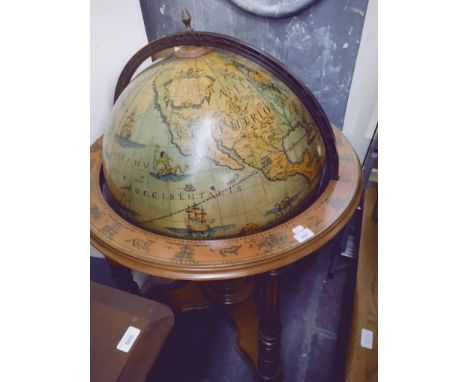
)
(319, 45)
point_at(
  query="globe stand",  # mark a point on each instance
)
(256, 321)
(239, 274)
(255, 317)
(226, 272)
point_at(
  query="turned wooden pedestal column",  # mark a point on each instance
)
(269, 364)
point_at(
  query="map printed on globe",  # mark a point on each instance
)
(210, 145)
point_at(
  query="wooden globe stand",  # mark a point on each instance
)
(226, 271)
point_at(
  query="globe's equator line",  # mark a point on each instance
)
(212, 196)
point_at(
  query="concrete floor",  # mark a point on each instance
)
(314, 316)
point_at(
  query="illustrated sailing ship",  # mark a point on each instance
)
(126, 132)
(198, 224)
(197, 219)
(128, 126)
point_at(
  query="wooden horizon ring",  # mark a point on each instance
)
(188, 259)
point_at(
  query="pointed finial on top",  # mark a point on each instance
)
(186, 18)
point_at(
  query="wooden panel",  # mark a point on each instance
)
(362, 362)
(112, 312)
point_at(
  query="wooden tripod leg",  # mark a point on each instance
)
(269, 339)
(123, 277)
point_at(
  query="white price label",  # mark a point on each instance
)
(128, 339)
(301, 234)
(367, 338)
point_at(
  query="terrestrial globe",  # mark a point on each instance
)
(210, 142)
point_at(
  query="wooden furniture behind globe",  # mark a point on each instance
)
(227, 271)
(240, 273)
(112, 313)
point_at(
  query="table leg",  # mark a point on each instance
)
(123, 277)
(269, 341)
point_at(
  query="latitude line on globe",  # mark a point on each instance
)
(203, 200)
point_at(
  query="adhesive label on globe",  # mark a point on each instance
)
(367, 338)
(128, 339)
(301, 234)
